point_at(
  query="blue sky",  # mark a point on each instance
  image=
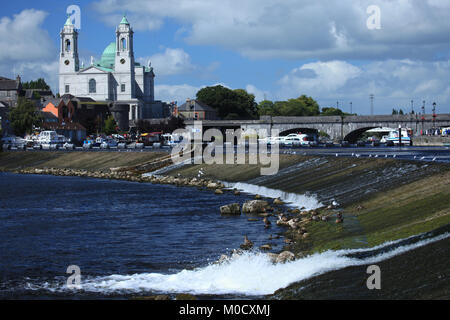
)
(273, 49)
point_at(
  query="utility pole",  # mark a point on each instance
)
(372, 96)
(423, 115)
(351, 107)
(412, 106)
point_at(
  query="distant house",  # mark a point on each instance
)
(38, 96)
(86, 112)
(10, 91)
(196, 110)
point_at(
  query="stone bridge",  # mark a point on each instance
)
(348, 128)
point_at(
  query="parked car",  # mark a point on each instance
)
(292, 142)
(88, 144)
(69, 146)
(108, 143)
(13, 142)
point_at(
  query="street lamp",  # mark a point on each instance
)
(434, 115)
(423, 115)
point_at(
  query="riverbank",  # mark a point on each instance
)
(378, 200)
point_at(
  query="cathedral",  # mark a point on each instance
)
(116, 78)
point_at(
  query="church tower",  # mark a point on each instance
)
(124, 61)
(68, 61)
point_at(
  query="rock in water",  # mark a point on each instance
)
(218, 191)
(285, 256)
(231, 209)
(254, 206)
(278, 202)
(266, 247)
(247, 245)
(258, 197)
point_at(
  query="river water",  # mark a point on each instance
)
(133, 239)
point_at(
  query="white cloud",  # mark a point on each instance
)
(23, 38)
(177, 93)
(318, 77)
(260, 95)
(26, 48)
(170, 62)
(299, 28)
(393, 82)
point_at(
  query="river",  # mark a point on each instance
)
(131, 239)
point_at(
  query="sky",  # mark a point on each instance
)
(338, 52)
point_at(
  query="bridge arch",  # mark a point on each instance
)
(311, 131)
(354, 135)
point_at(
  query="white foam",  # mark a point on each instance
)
(247, 274)
(291, 199)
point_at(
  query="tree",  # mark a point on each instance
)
(267, 108)
(301, 106)
(110, 125)
(24, 117)
(226, 101)
(332, 112)
(38, 84)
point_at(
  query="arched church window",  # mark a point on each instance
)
(92, 86)
(124, 44)
(67, 45)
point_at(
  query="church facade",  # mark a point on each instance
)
(116, 78)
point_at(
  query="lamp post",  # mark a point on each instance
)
(434, 115)
(351, 107)
(399, 135)
(423, 115)
(372, 96)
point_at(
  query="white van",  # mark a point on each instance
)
(393, 137)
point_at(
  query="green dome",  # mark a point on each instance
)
(109, 56)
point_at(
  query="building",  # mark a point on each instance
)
(116, 78)
(86, 112)
(196, 110)
(10, 91)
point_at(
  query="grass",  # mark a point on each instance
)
(75, 160)
(407, 210)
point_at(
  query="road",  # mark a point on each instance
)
(428, 154)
